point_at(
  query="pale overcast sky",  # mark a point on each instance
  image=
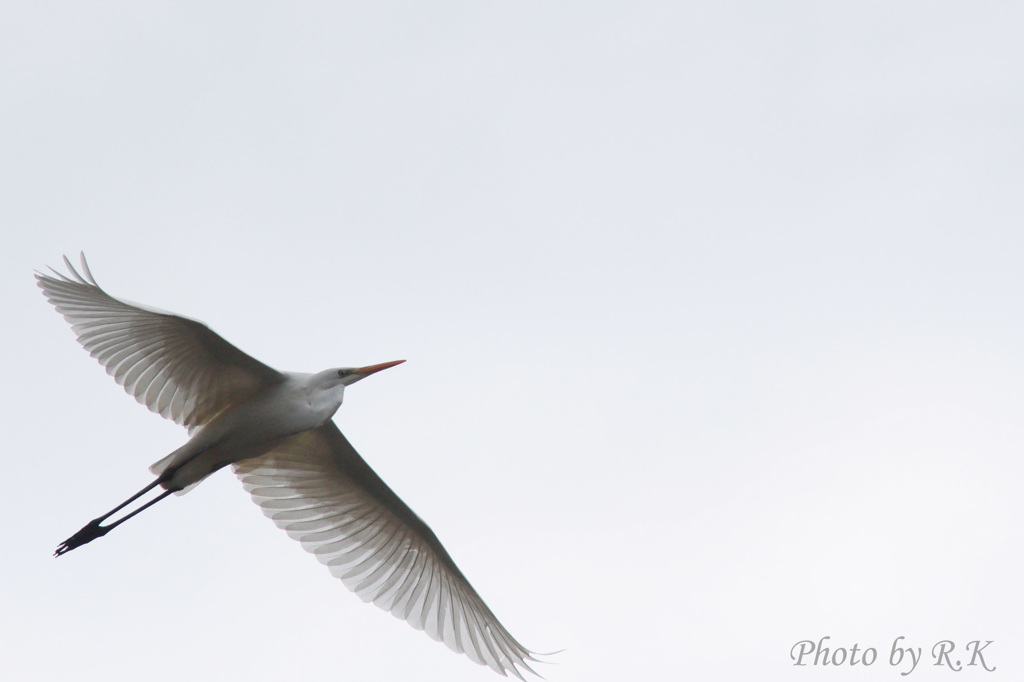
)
(713, 314)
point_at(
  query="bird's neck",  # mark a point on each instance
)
(325, 402)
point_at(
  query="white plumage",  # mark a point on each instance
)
(275, 429)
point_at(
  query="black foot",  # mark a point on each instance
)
(89, 532)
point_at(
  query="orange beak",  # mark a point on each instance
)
(370, 369)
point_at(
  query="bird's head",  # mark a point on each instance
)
(325, 391)
(350, 375)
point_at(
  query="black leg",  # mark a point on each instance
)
(93, 529)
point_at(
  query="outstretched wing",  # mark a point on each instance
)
(176, 367)
(316, 487)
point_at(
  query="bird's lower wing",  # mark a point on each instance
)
(316, 487)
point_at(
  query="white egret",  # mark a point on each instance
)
(275, 429)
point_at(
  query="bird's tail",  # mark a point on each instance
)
(175, 459)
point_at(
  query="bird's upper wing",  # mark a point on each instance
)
(316, 487)
(176, 367)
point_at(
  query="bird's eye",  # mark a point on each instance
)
(342, 372)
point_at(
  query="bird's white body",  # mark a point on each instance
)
(275, 429)
(298, 403)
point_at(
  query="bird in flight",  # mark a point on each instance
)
(275, 430)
